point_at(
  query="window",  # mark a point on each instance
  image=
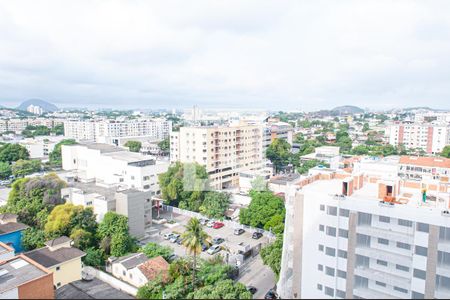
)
(332, 210)
(329, 291)
(319, 287)
(330, 251)
(329, 271)
(401, 290)
(58, 284)
(403, 246)
(422, 227)
(343, 233)
(123, 273)
(380, 283)
(321, 227)
(402, 268)
(384, 219)
(331, 231)
(322, 207)
(383, 241)
(443, 258)
(321, 248)
(58, 268)
(344, 212)
(342, 274)
(419, 274)
(421, 251)
(405, 223)
(416, 295)
(381, 262)
(342, 254)
(340, 294)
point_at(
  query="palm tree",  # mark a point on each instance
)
(193, 238)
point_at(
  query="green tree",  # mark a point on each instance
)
(33, 238)
(446, 151)
(58, 222)
(94, 257)
(55, 156)
(13, 152)
(5, 170)
(215, 204)
(164, 146)
(193, 238)
(223, 289)
(263, 206)
(152, 250)
(360, 150)
(134, 146)
(271, 255)
(58, 129)
(304, 166)
(152, 290)
(113, 232)
(82, 239)
(279, 153)
(366, 127)
(22, 167)
(259, 184)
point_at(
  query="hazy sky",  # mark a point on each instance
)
(250, 54)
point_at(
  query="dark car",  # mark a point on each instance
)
(179, 240)
(239, 231)
(256, 235)
(204, 247)
(252, 289)
(217, 240)
(271, 294)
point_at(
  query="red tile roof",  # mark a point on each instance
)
(154, 267)
(437, 162)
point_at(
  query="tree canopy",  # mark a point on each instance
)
(22, 167)
(215, 204)
(271, 255)
(55, 156)
(279, 153)
(5, 170)
(134, 146)
(446, 151)
(114, 236)
(152, 250)
(13, 152)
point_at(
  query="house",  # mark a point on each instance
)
(23, 278)
(137, 269)
(6, 252)
(11, 231)
(61, 258)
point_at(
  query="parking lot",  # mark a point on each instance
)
(230, 244)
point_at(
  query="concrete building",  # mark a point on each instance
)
(117, 132)
(276, 130)
(358, 235)
(6, 252)
(420, 168)
(35, 109)
(11, 231)
(327, 154)
(428, 117)
(431, 138)
(225, 151)
(60, 258)
(18, 125)
(110, 166)
(137, 269)
(23, 278)
(41, 146)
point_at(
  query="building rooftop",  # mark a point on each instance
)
(284, 179)
(7, 216)
(107, 192)
(128, 156)
(103, 148)
(132, 260)
(58, 241)
(17, 271)
(436, 162)
(48, 258)
(11, 227)
(154, 267)
(92, 289)
(5, 248)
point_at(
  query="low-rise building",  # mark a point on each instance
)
(40, 147)
(61, 258)
(11, 231)
(6, 252)
(23, 278)
(420, 168)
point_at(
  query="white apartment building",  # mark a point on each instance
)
(441, 117)
(276, 130)
(35, 109)
(117, 132)
(365, 237)
(428, 137)
(18, 125)
(225, 151)
(41, 146)
(109, 165)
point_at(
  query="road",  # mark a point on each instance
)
(256, 274)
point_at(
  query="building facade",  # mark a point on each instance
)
(225, 151)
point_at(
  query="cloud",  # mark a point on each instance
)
(238, 54)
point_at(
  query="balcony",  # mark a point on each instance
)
(385, 277)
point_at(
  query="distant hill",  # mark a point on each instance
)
(348, 109)
(46, 106)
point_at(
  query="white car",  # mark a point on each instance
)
(210, 223)
(167, 236)
(174, 237)
(213, 249)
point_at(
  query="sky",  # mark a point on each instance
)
(277, 55)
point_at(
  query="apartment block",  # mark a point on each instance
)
(363, 236)
(108, 166)
(276, 130)
(430, 138)
(225, 151)
(18, 125)
(23, 278)
(40, 147)
(117, 132)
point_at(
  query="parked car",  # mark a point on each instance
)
(173, 257)
(213, 249)
(204, 221)
(174, 238)
(210, 223)
(239, 231)
(271, 294)
(218, 240)
(218, 225)
(252, 289)
(167, 236)
(256, 235)
(204, 247)
(179, 240)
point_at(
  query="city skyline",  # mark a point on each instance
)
(299, 55)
